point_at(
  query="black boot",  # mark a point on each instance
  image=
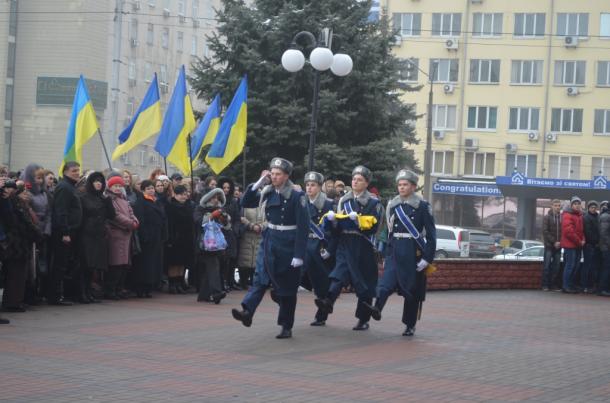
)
(284, 334)
(244, 316)
(361, 325)
(4, 321)
(324, 305)
(218, 297)
(318, 322)
(374, 311)
(409, 331)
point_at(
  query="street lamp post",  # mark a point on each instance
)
(321, 59)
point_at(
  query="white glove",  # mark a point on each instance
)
(353, 216)
(331, 216)
(296, 262)
(422, 265)
(262, 181)
(324, 253)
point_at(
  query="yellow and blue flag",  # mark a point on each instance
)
(145, 123)
(231, 136)
(208, 127)
(83, 125)
(178, 123)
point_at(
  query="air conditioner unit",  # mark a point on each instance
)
(451, 44)
(137, 5)
(132, 82)
(182, 18)
(533, 136)
(448, 88)
(164, 87)
(551, 137)
(134, 43)
(166, 12)
(196, 23)
(570, 41)
(439, 134)
(511, 148)
(397, 40)
(471, 144)
(572, 91)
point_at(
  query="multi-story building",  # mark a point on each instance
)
(117, 45)
(521, 91)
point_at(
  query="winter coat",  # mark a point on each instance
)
(232, 208)
(250, 240)
(148, 264)
(591, 226)
(19, 228)
(93, 237)
(551, 229)
(120, 230)
(604, 231)
(67, 209)
(40, 199)
(181, 233)
(572, 229)
(203, 214)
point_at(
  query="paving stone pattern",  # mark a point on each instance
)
(470, 346)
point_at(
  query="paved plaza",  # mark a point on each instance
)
(470, 346)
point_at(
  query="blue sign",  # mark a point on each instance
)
(517, 179)
(467, 189)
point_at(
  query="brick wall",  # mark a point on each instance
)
(485, 274)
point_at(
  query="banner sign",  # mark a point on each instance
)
(60, 91)
(517, 179)
(467, 189)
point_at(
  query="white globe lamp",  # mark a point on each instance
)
(342, 65)
(321, 58)
(293, 60)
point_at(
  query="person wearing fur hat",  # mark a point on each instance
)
(592, 257)
(210, 208)
(603, 288)
(283, 247)
(356, 263)
(572, 242)
(320, 248)
(408, 216)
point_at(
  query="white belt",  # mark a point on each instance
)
(281, 227)
(351, 231)
(402, 235)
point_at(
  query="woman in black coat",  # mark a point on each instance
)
(97, 209)
(152, 233)
(179, 249)
(231, 233)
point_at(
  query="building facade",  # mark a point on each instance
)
(519, 87)
(117, 45)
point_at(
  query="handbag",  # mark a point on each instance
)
(136, 246)
(212, 239)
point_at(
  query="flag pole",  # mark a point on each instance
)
(165, 164)
(188, 139)
(105, 150)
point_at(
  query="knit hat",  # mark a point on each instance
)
(115, 180)
(180, 189)
(163, 178)
(603, 203)
(592, 203)
(575, 199)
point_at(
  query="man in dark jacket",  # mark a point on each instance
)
(591, 251)
(604, 246)
(551, 233)
(66, 221)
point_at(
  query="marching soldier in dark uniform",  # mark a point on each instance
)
(320, 248)
(411, 248)
(282, 250)
(355, 257)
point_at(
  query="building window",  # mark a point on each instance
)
(133, 30)
(603, 73)
(487, 24)
(601, 124)
(573, 24)
(142, 158)
(150, 35)
(443, 117)
(10, 65)
(8, 102)
(564, 167)
(566, 120)
(523, 119)
(570, 72)
(484, 71)
(165, 38)
(600, 166)
(195, 9)
(206, 49)
(604, 25)
(442, 163)
(479, 164)
(131, 74)
(529, 24)
(180, 41)
(181, 7)
(163, 73)
(482, 117)
(526, 72)
(409, 70)
(444, 70)
(446, 24)
(194, 46)
(525, 164)
(131, 102)
(148, 72)
(408, 24)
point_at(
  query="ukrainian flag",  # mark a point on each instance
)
(145, 123)
(178, 123)
(231, 136)
(83, 125)
(208, 127)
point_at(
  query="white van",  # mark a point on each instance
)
(452, 242)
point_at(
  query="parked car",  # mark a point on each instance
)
(482, 244)
(535, 254)
(521, 244)
(451, 242)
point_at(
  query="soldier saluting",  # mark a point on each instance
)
(411, 248)
(282, 250)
